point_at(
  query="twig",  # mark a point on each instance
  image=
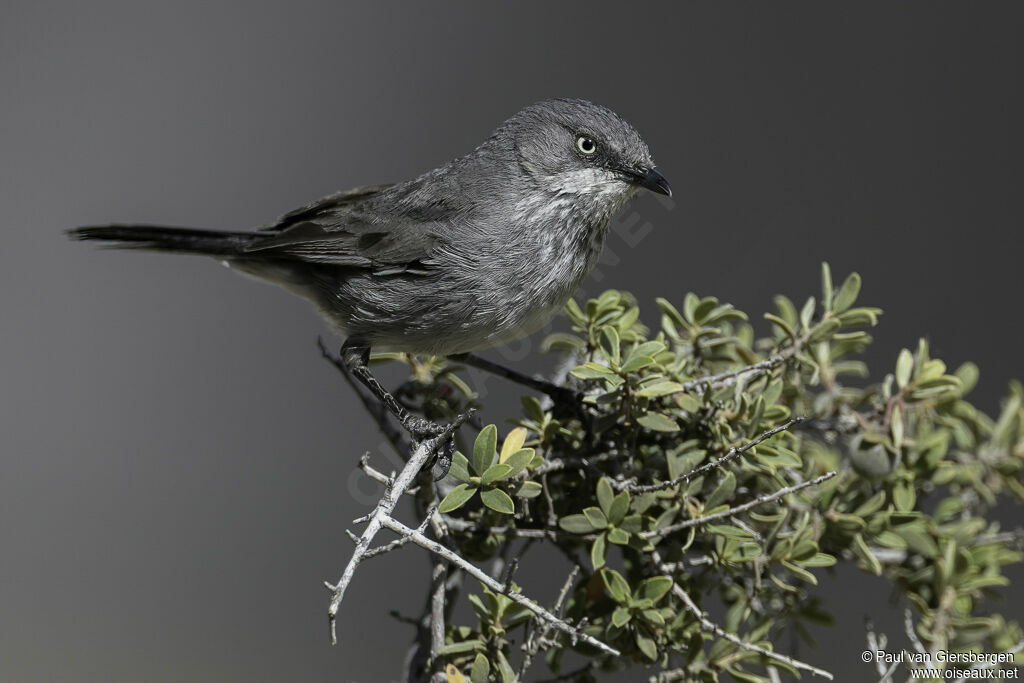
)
(908, 628)
(727, 379)
(709, 625)
(537, 641)
(462, 525)
(989, 664)
(760, 500)
(395, 544)
(481, 576)
(424, 451)
(380, 477)
(631, 485)
(439, 579)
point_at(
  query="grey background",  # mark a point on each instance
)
(176, 457)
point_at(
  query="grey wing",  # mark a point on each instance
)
(351, 228)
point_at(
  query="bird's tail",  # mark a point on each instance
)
(158, 238)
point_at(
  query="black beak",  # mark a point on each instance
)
(651, 179)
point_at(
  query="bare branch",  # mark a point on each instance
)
(709, 625)
(424, 451)
(727, 379)
(760, 500)
(631, 485)
(380, 477)
(482, 576)
(908, 628)
(538, 640)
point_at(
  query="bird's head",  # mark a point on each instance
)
(574, 147)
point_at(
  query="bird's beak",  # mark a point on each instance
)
(651, 179)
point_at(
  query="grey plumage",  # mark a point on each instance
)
(482, 250)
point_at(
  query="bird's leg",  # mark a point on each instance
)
(558, 394)
(355, 355)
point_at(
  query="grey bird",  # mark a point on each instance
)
(480, 251)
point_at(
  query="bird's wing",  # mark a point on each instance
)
(349, 229)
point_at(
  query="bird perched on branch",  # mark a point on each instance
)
(480, 251)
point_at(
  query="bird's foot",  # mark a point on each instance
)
(421, 428)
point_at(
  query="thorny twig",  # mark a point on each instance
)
(482, 576)
(631, 485)
(709, 625)
(538, 640)
(760, 500)
(420, 456)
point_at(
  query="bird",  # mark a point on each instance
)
(478, 252)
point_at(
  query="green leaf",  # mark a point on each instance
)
(618, 536)
(456, 498)
(633, 524)
(495, 472)
(896, 426)
(826, 286)
(654, 588)
(782, 324)
(460, 648)
(505, 669)
(576, 524)
(653, 616)
(636, 363)
(609, 343)
(646, 645)
(807, 313)
(618, 508)
(800, 572)
(722, 492)
(847, 293)
(596, 518)
(598, 552)
(728, 531)
(660, 388)
(860, 549)
(460, 467)
(498, 500)
(620, 617)
(903, 495)
(483, 448)
(605, 495)
(617, 586)
(481, 669)
(819, 560)
(904, 366)
(519, 460)
(591, 371)
(824, 330)
(529, 489)
(658, 422)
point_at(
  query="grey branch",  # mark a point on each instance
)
(380, 477)
(760, 500)
(727, 379)
(482, 576)
(633, 487)
(424, 451)
(709, 625)
(538, 640)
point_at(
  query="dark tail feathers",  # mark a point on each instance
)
(184, 240)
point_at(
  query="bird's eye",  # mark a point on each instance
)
(586, 145)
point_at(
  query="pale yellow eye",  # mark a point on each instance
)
(586, 145)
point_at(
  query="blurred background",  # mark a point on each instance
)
(176, 460)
